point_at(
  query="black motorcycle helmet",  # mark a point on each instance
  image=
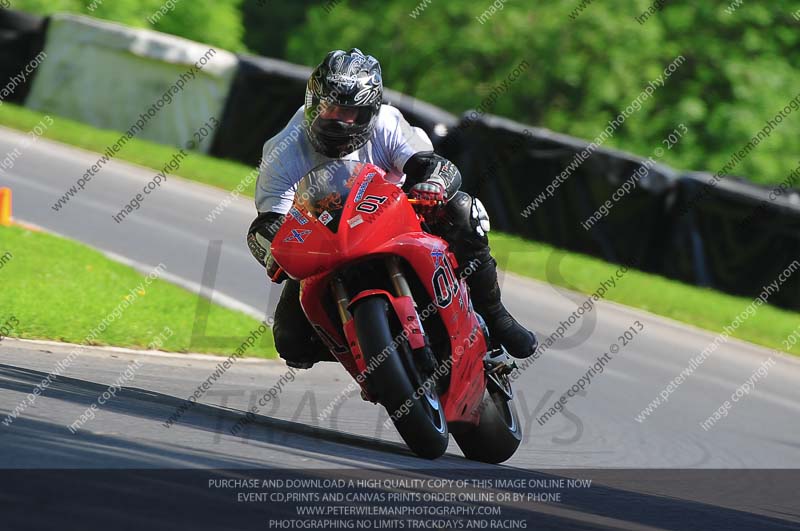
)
(343, 98)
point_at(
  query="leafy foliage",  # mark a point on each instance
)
(216, 22)
(269, 23)
(740, 69)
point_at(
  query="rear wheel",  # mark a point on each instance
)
(498, 433)
(397, 381)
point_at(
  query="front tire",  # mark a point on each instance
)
(419, 419)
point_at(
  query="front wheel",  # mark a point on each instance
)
(414, 408)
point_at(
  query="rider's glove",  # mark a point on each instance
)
(274, 271)
(259, 238)
(430, 190)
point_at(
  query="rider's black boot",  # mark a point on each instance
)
(485, 291)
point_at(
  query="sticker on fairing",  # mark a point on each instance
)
(437, 256)
(355, 221)
(298, 216)
(363, 187)
(298, 236)
(325, 217)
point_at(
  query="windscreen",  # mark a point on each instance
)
(325, 189)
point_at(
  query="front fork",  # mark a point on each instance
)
(399, 283)
(424, 354)
(401, 289)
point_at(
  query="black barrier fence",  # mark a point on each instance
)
(21, 39)
(264, 95)
(509, 166)
(734, 236)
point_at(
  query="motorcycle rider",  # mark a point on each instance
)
(344, 118)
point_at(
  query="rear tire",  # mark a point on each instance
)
(498, 433)
(420, 421)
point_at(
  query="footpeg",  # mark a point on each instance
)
(498, 365)
(499, 362)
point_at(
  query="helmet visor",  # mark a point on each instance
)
(346, 114)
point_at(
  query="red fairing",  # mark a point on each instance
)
(405, 311)
(305, 247)
(375, 218)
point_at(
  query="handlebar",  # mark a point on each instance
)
(425, 202)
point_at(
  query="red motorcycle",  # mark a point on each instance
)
(384, 297)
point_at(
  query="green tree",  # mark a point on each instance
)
(740, 68)
(216, 22)
(269, 23)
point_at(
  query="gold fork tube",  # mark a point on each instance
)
(399, 281)
(342, 300)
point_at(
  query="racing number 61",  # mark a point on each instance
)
(371, 203)
(445, 284)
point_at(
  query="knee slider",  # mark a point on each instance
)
(480, 218)
(458, 210)
(468, 215)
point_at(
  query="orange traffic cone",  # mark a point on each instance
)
(5, 207)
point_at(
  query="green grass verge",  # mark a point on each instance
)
(197, 167)
(700, 307)
(60, 290)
